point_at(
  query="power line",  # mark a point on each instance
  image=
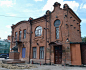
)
(13, 16)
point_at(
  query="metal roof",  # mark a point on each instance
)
(77, 42)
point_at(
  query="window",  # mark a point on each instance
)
(24, 34)
(34, 52)
(38, 31)
(15, 35)
(4, 51)
(20, 35)
(57, 33)
(5, 45)
(41, 52)
(56, 24)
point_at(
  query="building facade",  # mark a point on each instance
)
(4, 47)
(47, 38)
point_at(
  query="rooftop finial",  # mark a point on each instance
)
(57, 4)
(48, 12)
(30, 18)
(65, 6)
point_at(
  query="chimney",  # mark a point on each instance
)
(9, 37)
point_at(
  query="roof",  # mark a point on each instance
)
(13, 26)
(75, 14)
(42, 17)
(77, 42)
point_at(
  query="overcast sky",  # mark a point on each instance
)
(14, 11)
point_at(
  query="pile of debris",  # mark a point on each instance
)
(17, 66)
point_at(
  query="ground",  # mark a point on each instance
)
(37, 67)
(50, 67)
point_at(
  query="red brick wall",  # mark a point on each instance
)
(9, 38)
(64, 32)
(14, 55)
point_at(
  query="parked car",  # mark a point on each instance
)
(3, 56)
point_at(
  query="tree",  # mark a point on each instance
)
(83, 39)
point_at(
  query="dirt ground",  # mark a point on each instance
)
(37, 67)
(57, 67)
(17, 66)
(50, 67)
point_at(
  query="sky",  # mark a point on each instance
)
(14, 11)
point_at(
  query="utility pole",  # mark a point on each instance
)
(30, 20)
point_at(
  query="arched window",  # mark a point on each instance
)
(38, 31)
(56, 24)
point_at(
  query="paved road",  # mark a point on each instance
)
(48, 67)
(2, 59)
(58, 68)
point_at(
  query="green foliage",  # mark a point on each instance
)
(83, 39)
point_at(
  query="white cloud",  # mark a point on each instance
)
(29, 4)
(84, 6)
(38, 0)
(81, 6)
(6, 32)
(49, 5)
(83, 20)
(31, 11)
(11, 14)
(7, 3)
(27, 10)
(72, 4)
(8, 26)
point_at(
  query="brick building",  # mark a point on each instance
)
(47, 38)
(9, 37)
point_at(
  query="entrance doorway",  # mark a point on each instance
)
(58, 54)
(23, 52)
(83, 53)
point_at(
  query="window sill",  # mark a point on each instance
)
(34, 58)
(23, 57)
(41, 58)
(38, 37)
(24, 38)
(57, 39)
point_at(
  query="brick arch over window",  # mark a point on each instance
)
(38, 31)
(57, 24)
